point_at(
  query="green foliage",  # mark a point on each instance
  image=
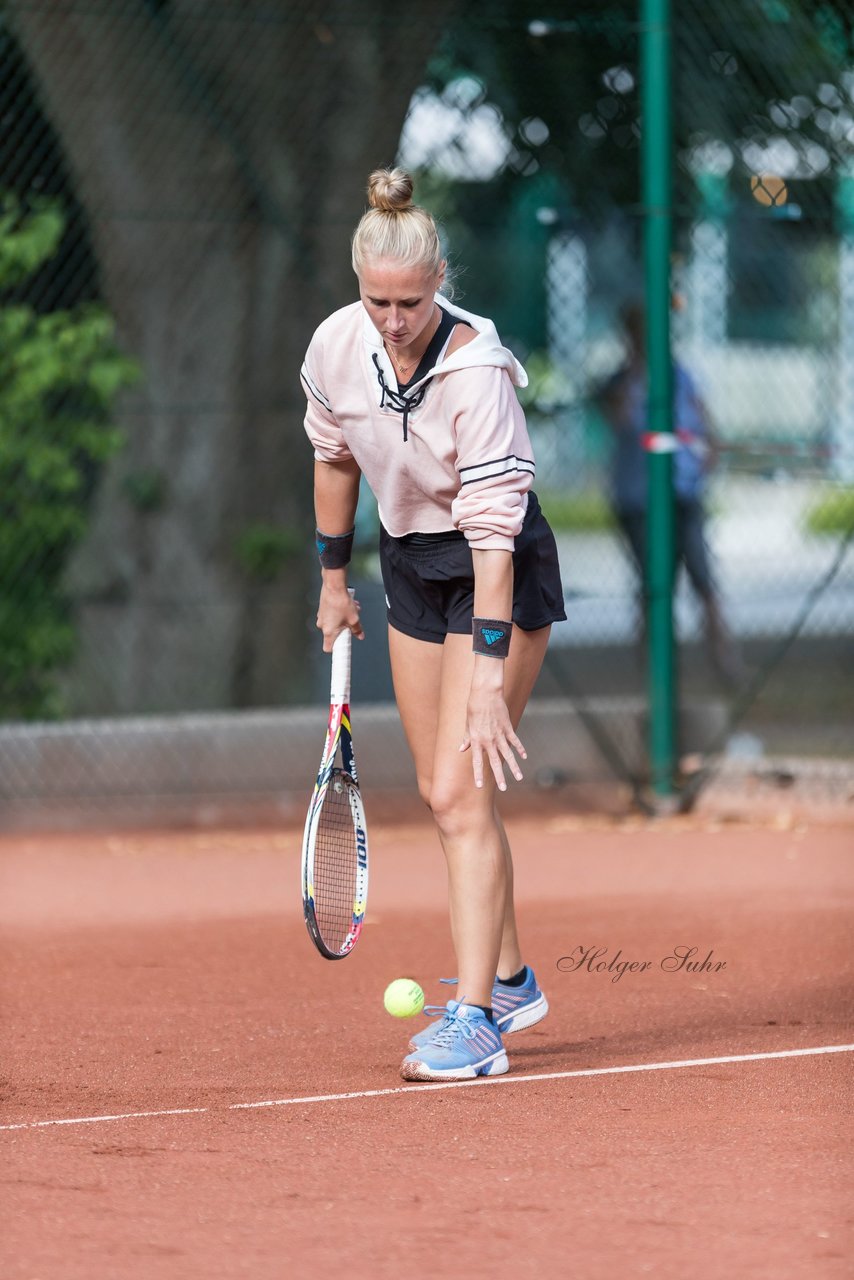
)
(26, 243)
(263, 550)
(575, 69)
(59, 375)
(832, 514)
(548, 385)
(585, 512)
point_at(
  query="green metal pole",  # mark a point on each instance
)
(656, 169)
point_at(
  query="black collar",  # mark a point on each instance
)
(447, 322)
(399, 397)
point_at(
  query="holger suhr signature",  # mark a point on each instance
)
(681, 959)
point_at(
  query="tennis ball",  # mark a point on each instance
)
(403, 998)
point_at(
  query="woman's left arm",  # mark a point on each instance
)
(489, 731)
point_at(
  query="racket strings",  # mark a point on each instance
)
(335, 862)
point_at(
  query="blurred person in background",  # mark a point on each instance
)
(623, 401)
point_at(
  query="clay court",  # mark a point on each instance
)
(190, 1090)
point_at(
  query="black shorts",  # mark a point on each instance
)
(429, 580)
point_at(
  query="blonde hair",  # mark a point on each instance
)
(394, 227)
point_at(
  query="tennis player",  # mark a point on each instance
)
(418, 396)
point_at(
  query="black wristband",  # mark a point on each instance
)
(491, 636)
(334, 549)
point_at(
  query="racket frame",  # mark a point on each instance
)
(338, 736)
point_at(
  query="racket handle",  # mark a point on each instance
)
(341, 659)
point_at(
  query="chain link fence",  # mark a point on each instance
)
(179, 182)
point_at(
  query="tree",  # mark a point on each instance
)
(59, 377)
(757, 83)
(745, 72)
(220, 153)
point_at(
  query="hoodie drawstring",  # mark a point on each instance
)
(394, 400)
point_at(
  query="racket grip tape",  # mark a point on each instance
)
(342, 651)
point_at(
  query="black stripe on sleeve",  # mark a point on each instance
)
(315, 390)
(496, 467)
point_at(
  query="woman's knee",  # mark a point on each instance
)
(425, 786)
(457, 811)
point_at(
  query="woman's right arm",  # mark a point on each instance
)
(336, 493)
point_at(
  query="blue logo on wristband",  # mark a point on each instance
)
(491, 636)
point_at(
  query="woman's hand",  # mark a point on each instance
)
(337, 610)
(489, 731)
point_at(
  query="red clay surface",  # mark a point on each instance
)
(161, 971)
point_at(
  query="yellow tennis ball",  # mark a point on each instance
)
(403, 998)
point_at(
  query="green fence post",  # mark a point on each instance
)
(842, 427)
(656, 174)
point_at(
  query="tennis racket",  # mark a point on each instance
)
(335, 842)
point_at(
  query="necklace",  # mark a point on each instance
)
(403, 369)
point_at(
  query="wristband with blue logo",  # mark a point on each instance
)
(491, 636)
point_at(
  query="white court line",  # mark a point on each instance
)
(415, 1088)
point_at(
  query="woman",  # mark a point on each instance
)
(418, 396)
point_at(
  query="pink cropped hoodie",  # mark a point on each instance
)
(451, 452)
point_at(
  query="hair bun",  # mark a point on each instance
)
(390, 190)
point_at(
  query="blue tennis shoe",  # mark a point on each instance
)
(514, 1008)
(466, 1045)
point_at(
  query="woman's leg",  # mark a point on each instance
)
(416, 669)
(432, 692)
(510, 956)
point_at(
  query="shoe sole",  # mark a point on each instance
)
(495, 1065)
(515, 1020)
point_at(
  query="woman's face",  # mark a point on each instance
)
(398, 299)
